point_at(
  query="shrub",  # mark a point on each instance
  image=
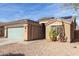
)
(53, 35)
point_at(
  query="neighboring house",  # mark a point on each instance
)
(57, 24)
(23, 30)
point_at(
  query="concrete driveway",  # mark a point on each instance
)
(6, 41)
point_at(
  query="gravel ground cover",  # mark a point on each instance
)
(40, 48)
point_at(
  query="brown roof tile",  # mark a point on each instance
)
(66, 17)
(53, 20)
(22, 21)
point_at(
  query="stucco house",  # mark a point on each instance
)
(65, 23)
(24, 29)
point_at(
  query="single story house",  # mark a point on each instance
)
(65, 23)
(24, 29)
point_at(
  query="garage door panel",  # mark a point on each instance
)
(16, 33)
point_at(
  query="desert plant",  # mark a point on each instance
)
(53, 35)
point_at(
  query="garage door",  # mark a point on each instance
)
(16, 34)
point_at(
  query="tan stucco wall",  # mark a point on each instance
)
(47, 33)
(6, 32)
(67, 30)
(35, 31)
(26, 32)
(48, 29)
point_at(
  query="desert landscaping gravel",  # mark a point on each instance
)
(41, 48)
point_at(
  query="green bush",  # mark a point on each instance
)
(53, 35)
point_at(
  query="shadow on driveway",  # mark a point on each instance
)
(11, 54)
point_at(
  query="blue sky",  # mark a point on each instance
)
(17, 11)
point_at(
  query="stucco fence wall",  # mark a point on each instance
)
(67, 32)
(76, 35)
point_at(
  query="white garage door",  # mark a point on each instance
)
(16, 34)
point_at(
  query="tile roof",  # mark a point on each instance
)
(22, 21)
(17, 22)
(49, 21)
(67, 20)
(1, 23)
(46, 18)
(66, 17)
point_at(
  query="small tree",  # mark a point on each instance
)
(74, 7)
(53, 34)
